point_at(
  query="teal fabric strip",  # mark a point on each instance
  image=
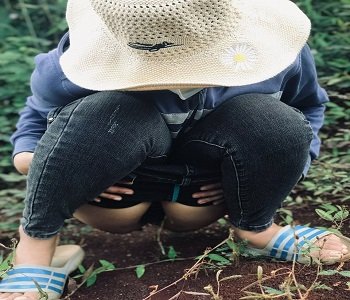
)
(176, 193)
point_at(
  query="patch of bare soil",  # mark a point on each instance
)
(141, 247)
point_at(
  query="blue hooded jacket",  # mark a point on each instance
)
(296, 86)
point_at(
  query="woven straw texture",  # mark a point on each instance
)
(160, 44)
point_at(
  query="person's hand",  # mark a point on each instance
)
(210, 193)
(115, 192)
(22, 162)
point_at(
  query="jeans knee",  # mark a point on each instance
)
(122, 118)
(295, 132)
(273, 125)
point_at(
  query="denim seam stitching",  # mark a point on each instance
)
(159, 156)
(238, 187)
(236, 171)
(30, 214)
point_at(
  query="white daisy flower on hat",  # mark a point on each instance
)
(240, 57)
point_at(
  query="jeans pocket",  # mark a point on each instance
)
(51, 116)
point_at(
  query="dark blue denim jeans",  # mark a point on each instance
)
(256, 144)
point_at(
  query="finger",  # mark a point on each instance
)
(210, 186)
(218, 202)
(119, 190)
(210, 199)
(207, 194)
(126, 182)
(215, 202)
(97, 200)
(111, 196)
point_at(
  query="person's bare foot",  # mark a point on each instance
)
(328, 247)
(31, 251)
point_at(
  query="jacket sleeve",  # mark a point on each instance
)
(303, 92)
(50, 89)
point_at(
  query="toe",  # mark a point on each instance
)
(10, 296)
(331, 242)
(331, 254)
(18, 296)
(330, 247)
(28, 296)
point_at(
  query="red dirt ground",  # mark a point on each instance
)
(142, 247)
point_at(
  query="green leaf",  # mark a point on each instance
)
(340, 215)
(272, 291)
(12, 177)
(222, 221)
(329, 207)
(334, 81)
(322, 287)
(324, 215)
(106, 264)
(91, 280)
(140, 271)
(88, 273)
(219, 258)
(172, 253)
(6, 263)
(81, 269)
(345, 273)
(233, 246)
(328, 272)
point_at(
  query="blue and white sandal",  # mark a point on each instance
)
(25, 278)
(284, 245)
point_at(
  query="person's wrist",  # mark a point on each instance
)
(22, 162)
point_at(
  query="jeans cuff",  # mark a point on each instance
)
(255, 228)
(38, 234)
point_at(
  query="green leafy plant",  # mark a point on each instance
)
(6, 263)
(90, 275)
(172, 254)
(140, 271)
(336, 214)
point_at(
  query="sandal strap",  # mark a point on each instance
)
(285, 243)
(24, 279)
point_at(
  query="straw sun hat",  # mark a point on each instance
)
(163, 44)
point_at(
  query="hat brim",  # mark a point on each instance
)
(96, 60)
